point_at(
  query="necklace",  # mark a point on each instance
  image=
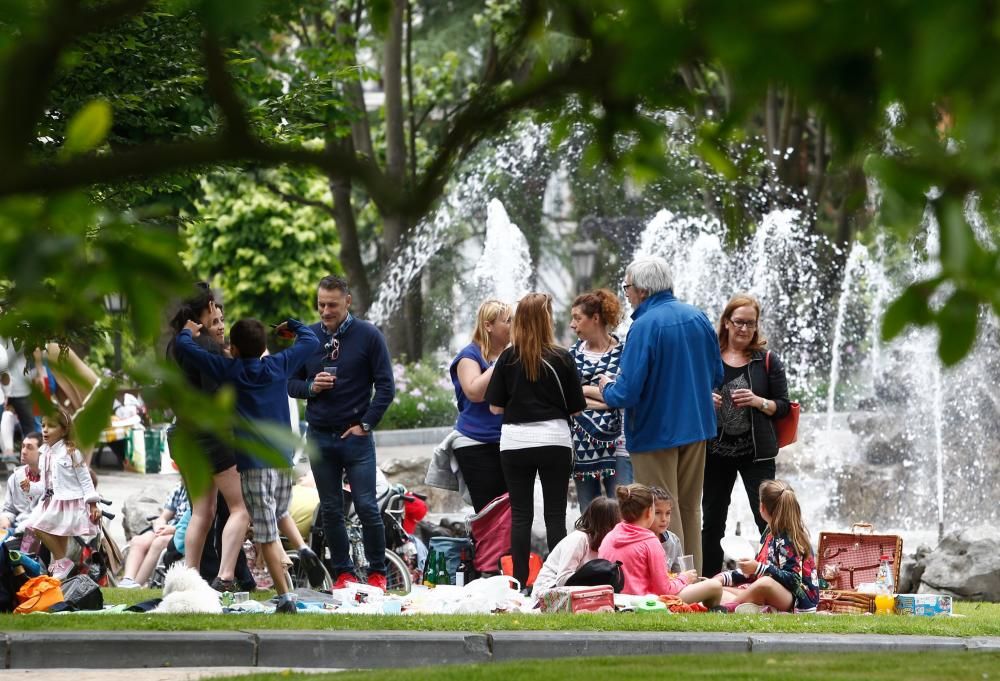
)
(610, 343)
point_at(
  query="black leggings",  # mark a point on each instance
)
(554, 465)
(482, 472)
(720, 476)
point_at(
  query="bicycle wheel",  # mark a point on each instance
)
(298, 576)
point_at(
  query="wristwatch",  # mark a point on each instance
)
(763, 404)
(367, 427)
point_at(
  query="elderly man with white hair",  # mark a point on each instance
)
(669, 367)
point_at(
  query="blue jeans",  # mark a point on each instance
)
(355, 457)
(591, 488)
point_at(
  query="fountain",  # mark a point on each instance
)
(888, 435)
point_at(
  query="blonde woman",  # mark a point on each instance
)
(477, 449)
(536, 388)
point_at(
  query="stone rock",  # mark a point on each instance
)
(869, 494)
(966, 564)
(911, 570)
(410, 474)
(138, 507)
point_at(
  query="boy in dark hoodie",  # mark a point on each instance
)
(261, 397)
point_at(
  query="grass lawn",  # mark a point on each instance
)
(979, 619)
(728, 667)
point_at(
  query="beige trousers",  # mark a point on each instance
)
(680, 471)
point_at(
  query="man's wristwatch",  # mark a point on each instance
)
(763, 404)
(367, 427)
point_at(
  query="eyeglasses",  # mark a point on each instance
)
(626, 287)
(743, 323)
(333, 347)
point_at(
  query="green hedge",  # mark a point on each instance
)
(425, 398)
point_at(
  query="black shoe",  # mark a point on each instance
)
(721, 609)
(223, 585)
(313, 567)
(286, 605)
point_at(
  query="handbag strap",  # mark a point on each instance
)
(559, 383)
(767, 362)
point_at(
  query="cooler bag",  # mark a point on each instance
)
(452, 549)
(848, 559)
(490, 530)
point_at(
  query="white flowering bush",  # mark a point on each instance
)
(425, 397)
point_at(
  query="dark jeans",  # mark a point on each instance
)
(483, 474)
(591, 488)
(354, 456)
(553, 465)
(720, 476)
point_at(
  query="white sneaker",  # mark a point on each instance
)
(749, 609)
(128, 583)
(61, 568)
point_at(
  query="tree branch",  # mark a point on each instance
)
(296, 198)
(222, 90)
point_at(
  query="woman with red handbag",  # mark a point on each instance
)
(753, 395)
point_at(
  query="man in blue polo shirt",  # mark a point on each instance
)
(348, 385)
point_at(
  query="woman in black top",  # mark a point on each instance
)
(754, 392)
(536, 388)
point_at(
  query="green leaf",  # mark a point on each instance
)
(195, 467)
(910, 308)
(957, 321)
(95, 414)
(88, 128)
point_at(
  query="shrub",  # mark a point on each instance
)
(425, 397)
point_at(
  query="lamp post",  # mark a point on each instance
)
(584, 258)
(115, 304)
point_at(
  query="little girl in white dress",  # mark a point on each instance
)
(69, 505)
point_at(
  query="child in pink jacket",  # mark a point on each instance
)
(643, 561)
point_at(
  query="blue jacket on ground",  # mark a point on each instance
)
(363, 364)
(669, 367)
(260, 383)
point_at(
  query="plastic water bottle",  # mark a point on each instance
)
(884, 576)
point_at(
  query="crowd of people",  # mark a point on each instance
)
(652, 429)
(678, 406)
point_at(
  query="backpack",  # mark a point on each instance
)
(599, 572)
(452, 548)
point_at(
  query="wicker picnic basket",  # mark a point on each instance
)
(846, 602)
(848, 559)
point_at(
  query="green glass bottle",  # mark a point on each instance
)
(430, 569)
(443, 577)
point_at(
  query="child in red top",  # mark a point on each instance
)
(643, 561)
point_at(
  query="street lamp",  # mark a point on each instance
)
(115, 304)
(584, 258)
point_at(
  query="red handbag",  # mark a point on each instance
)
(786, 428)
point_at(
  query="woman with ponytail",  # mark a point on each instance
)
(783, 576)
(601, 461)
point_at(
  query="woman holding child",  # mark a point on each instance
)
(536, 388)
(753, 394)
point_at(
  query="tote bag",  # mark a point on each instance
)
(786, 428)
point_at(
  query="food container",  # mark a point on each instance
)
(927, 605)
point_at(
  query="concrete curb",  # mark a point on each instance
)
(401, 649)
